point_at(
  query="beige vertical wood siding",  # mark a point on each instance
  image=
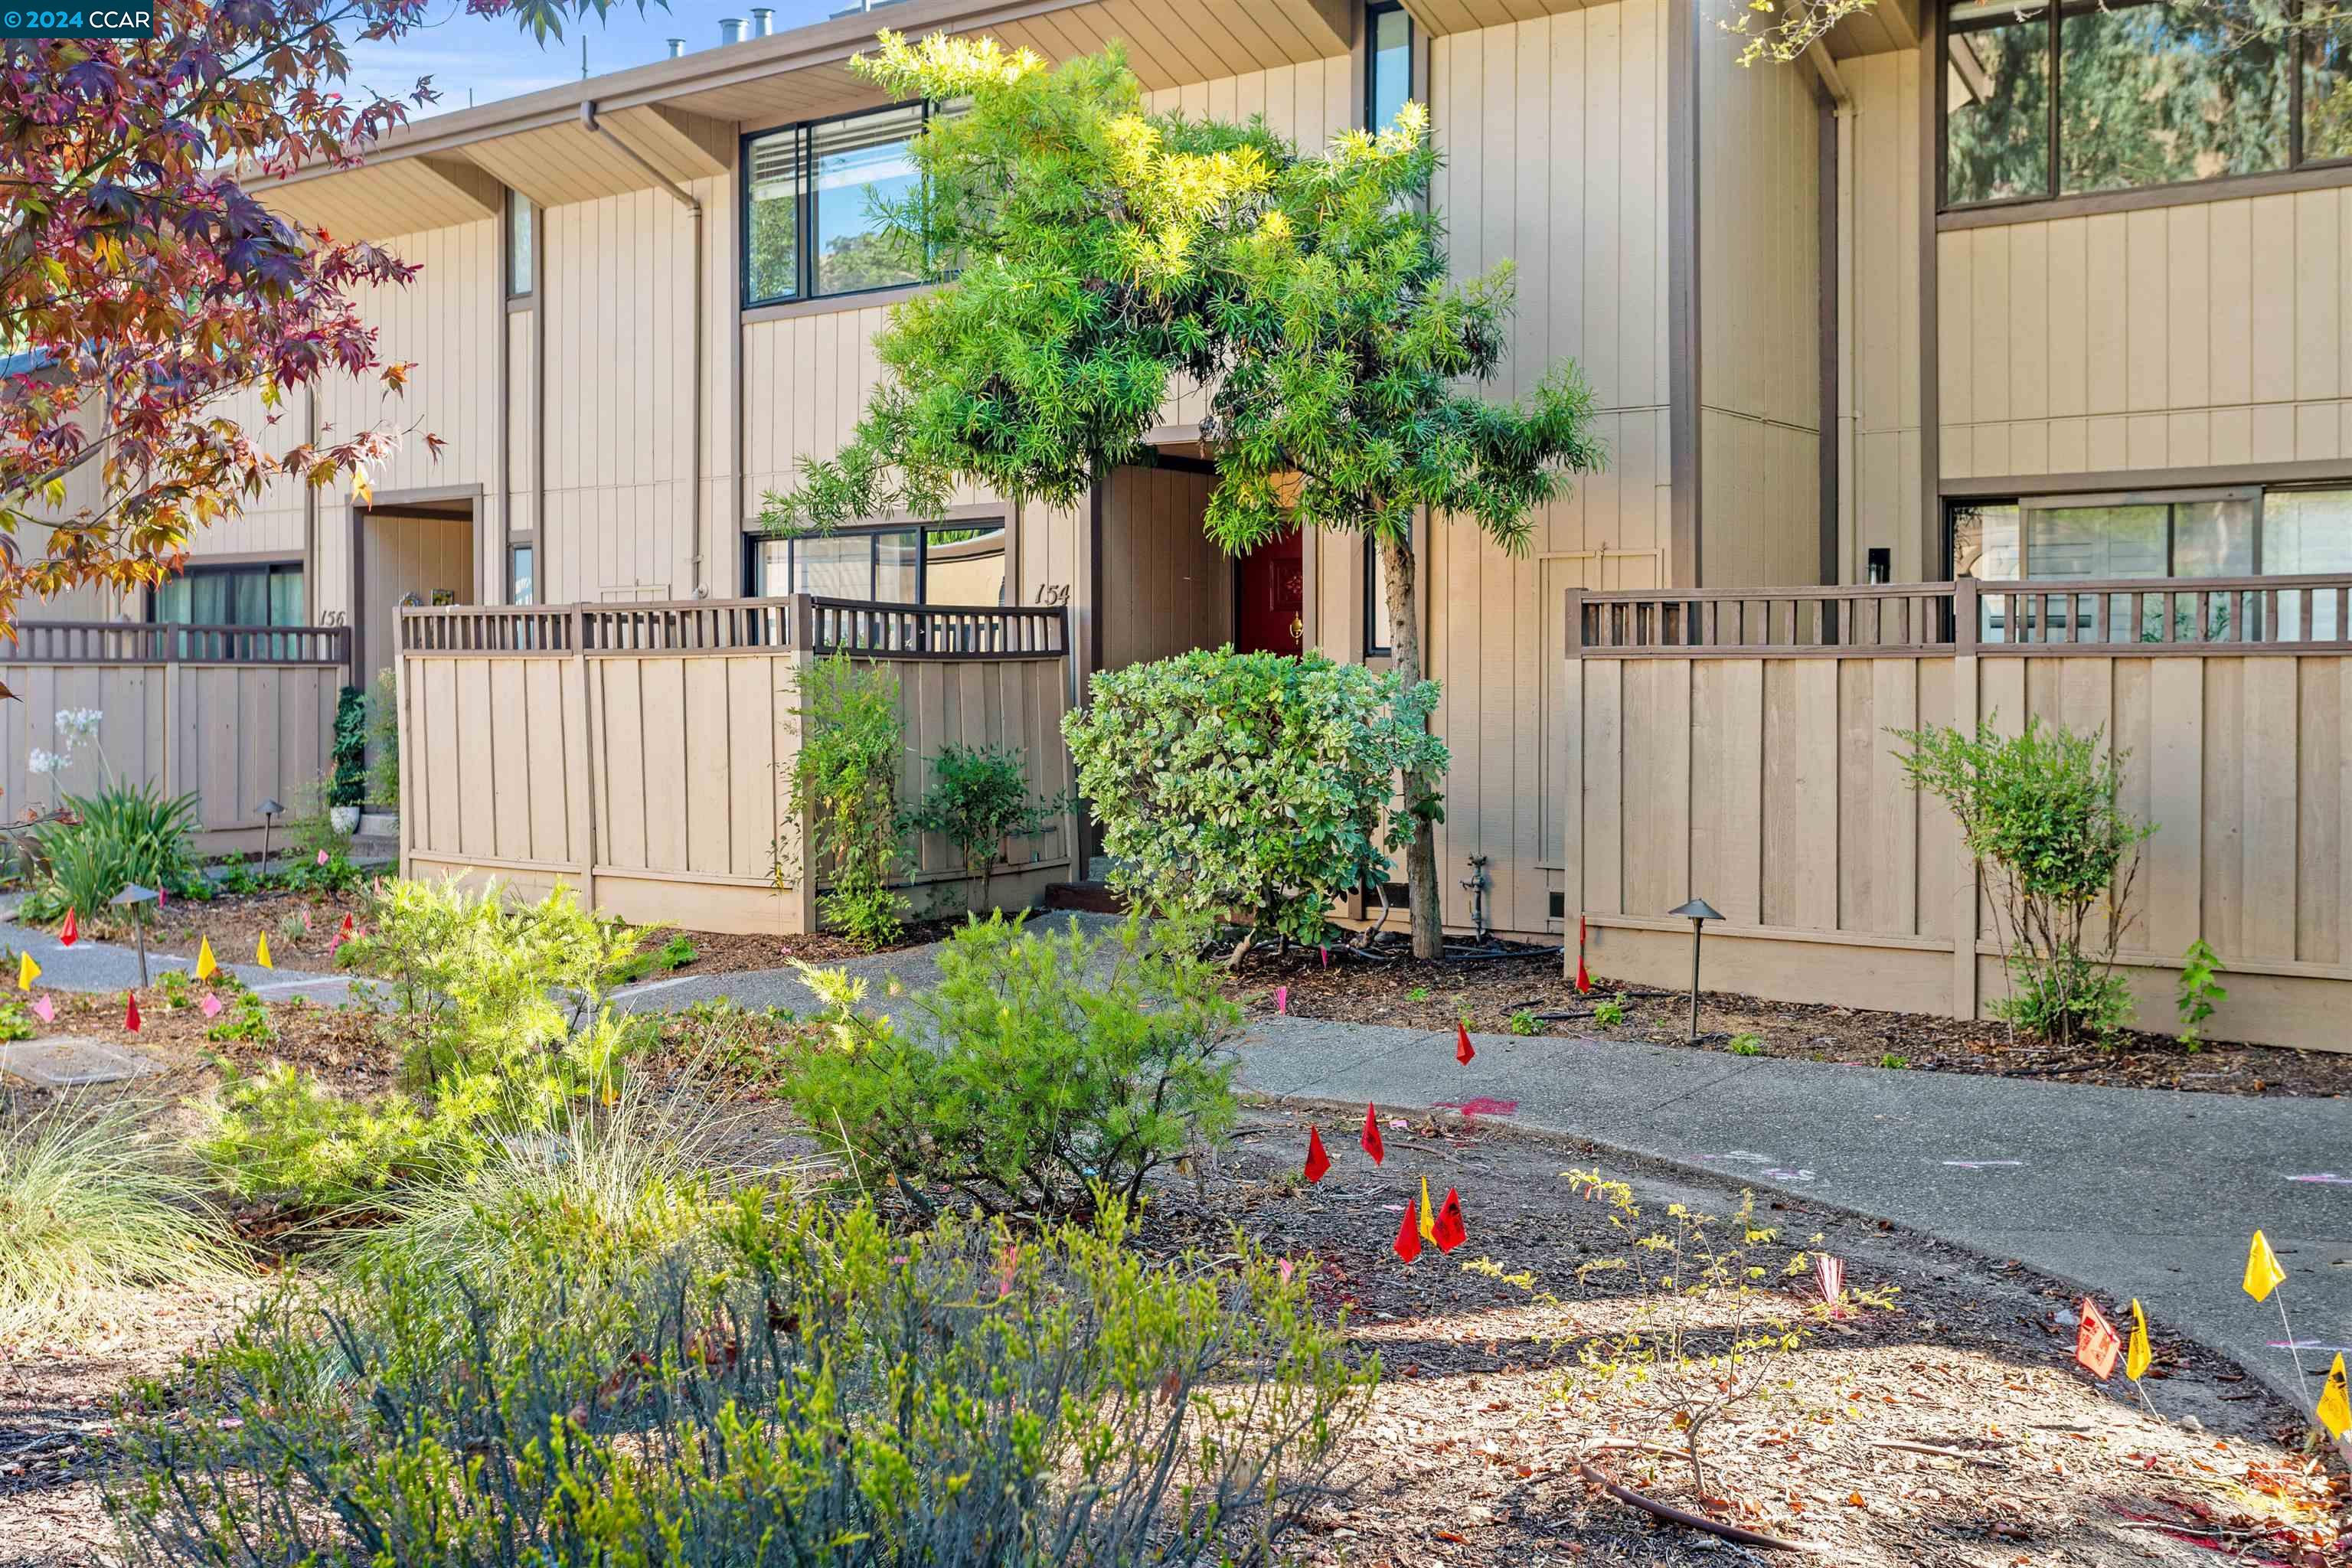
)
(1554, 132)
(2173, 337)
(234, 735)
(403, 555)
(1165, 587)
(1772, 788)
(1760, 268)
(1880, 373)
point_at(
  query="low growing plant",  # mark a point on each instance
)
(2041, 811)
(978, 798)
(1040, 1074)
(1255, 785)
(91, 1201)
(2200, 991)
(244, 1018)
(1746, 1046)
(384, 734)
(124, 833)
(845, 789)
(497, 1014)
(1523, 1022)
(1609, 1013)
(807, 1387)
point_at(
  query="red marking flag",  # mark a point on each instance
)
(71, 932)
(1462, 1051)
(2096, 1343)
(1371, 1139)
(1318, 1162)
(1449, 1233)
(1407, 1241)
(131, 1016)
(1829, 1273)
(1583, 981)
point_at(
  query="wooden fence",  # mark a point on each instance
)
(235, 715)
(1738, 747)
(641, 753)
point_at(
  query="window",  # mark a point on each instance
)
(1377, 637)
(523, 562)
(268, 595)
(958, 563)
(2107, 95)
(814, 197)
(522, 245)
(1388, 63)
(2242, 532)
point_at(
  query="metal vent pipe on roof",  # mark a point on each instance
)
(677, 47)
(730, 30)
(763, 21)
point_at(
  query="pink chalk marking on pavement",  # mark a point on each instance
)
(1480, 1106)
(2325, 1179)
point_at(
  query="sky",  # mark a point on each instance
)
(476, 60)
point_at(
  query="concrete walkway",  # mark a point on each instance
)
(2137, 1193)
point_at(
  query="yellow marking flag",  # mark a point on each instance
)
(1428, 1215)
(2335, 1408)
(261, 952)
(206, 966)
(2136, 1354)
(2262, 1271)
(27, 972)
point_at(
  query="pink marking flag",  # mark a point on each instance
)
(1829, 1273)
(45, 1010)
(1282, 998)
(210, 1006)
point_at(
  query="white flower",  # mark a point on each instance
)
(76, 725)
(41, 762)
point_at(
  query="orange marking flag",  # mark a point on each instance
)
(2096, 1343)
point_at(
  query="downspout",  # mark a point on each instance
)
(686, 198)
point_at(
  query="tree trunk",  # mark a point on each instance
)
(1420, 855)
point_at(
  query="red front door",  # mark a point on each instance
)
(1272, 587)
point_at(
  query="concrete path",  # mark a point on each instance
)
(2135, 1192)
(2139, 1192)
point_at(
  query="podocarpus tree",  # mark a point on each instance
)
(1104, 252)
(142, 284)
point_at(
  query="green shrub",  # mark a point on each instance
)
(1523, 1022)
(347, 784)
(17, 1022)
(824, 1392)
(91, 1202)
(1746, 1046)
(844, 788)
(1039, 1073)
(335, 873)
(1610, 1012)
(1252, 784)
(384, 734)
(245, 1019)
(978, 798)
(2198, 992)
(310, 828)
(125, 834)
(497, 1012)
(2042, 812)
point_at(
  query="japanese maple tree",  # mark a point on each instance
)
(142, 283)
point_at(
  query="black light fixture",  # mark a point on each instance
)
(269, 809)
(1698, 911)
(132, 895)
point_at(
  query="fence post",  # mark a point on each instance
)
(584, 757)
(1575, 642)
(1967, 896)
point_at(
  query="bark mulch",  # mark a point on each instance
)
(1531, 985)
(1951, 1428)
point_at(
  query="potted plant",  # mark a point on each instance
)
(347, 786)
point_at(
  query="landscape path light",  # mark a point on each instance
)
(1698, 911)
(132, 896)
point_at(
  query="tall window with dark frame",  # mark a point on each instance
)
(812, 201)
(522, 245)
(2086, 96)
(1387, 63)
(1388, 86)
